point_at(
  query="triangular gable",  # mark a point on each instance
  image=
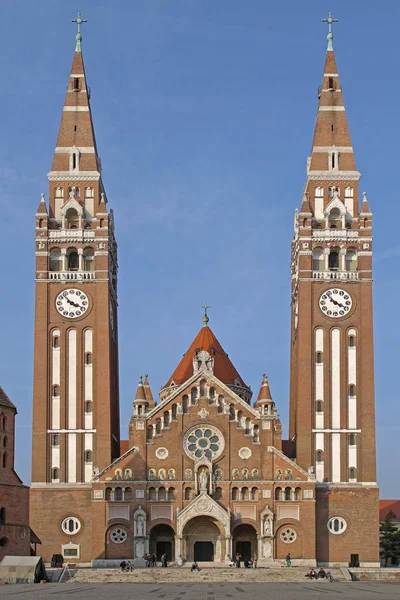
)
(72, 202)
(335, 203)
(203, 504)
(288, 463)
(200, 375)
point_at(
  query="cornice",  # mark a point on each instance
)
(73, 176)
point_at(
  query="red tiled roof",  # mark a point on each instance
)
(5, 400)
(386, 506)
(223, 368)
(123, 446)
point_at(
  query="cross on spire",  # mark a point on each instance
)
(205, 318)
(329, 37)
(79, 22)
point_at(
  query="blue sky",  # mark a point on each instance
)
(204, 114)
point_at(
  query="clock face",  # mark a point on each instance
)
(335, 303)
(72, 303)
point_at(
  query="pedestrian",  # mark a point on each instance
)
(179, 561)
(122, 565)
(195, 566)
(237, 560)
(153, 559)
(164, 560)
(288, 560)
(255, 561)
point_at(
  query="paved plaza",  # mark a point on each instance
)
(202, 591)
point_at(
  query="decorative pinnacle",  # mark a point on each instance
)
(205, 318)
(329, 37)
(42, 197)
(79, 22)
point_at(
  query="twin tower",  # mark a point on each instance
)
(76, 431)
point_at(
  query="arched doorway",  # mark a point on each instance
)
(162, 541)
(202, 540)
(244, 541)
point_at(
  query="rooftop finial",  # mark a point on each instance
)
(79, 22)
(329, 37)
(205, 318)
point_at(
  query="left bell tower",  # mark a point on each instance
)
(75, 397)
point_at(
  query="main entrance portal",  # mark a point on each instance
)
(203, 551)
(203, 540)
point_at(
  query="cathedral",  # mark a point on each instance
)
(205, 473)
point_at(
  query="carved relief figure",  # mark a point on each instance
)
(245, 473)
(278, 474)
(171, 474)
(152, 474)
(218, 474)
(235, 474)
(255, 474)
(140, 526)
(118, 474)
(188, 475)
(288, 474)
(128, 473)
(161, 474)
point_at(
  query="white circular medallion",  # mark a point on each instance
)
(162, 453)
(336, 525)
(203, 441)
(288, 535)
(72, 303)
(118, 535)
(335, 303)
(244, 453)
(71, 525)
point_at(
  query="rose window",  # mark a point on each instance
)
(206, 441)
(118, 535)
(288, 535)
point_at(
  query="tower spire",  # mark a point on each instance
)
(79, 22)
(329, 19)
(205, 318)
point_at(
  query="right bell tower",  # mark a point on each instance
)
(332, 413)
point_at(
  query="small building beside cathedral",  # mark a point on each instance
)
(205, 474)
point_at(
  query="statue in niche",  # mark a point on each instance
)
(140, 526)
(267, 526)
(203, 481)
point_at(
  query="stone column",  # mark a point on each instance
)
(63, 259)
(80, 256)
(178, 546)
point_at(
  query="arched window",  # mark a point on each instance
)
(73, 260)
(185, 404)
(297, 493)
(318, 259)
(55, 260)
(108, 493)
(152, 493)
(88, 456)
(351, 341)
(245, 494)
(352, 390)
(240, 419)
(318, 456)
(56, 441)
(56, 342)
(72, 217)
(56, 390)
(128, 494)
(5, 442)
(231, 412)
(352, 440)
(212, 395)
(318, 358)
(88, 407)
(149, 433)
(162, 495)
(55, 475)
(3, 421)
(188, 492)
(256, 434)
(352, 473)
(88, 259)
(158, 426)
(278, 493)
(118, 493)
(166, 418)
(319, 406)
(203, 383)
(193, 395)
(88, 358)
(333, 260)
(171, 494)
(351, 260)
(2, 516)
(218, 493)
(235, 493)
(288, 492)
(220, 403)
(254, 493)
(247, 427)
(174, 412)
